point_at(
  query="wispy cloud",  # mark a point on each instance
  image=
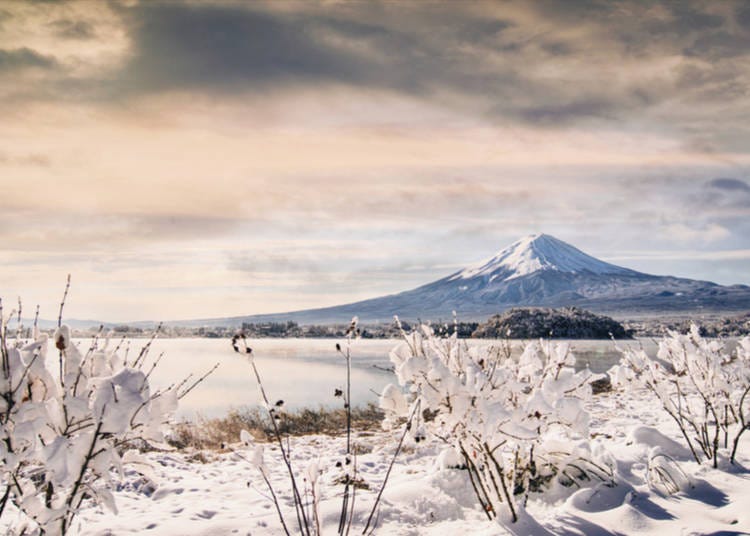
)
(679, 255)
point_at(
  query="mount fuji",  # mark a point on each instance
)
(537, 270)
(537, 253)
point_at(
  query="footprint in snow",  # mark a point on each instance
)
(164, 492)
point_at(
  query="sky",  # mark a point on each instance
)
(207, 159)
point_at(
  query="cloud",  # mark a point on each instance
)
(240, 48)
(563, 113)
(546, 64)
(680, 255)
(188, 45)
(719, 45)
(722, 199)
(730, 185)
(243, 47)
(742, 14)
(29, 159)
(73, 29)
(24, 58)
(59, 230)
(686, 233)
(256, 47)
(502, 64)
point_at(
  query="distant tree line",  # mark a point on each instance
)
(518, 323)
(728, 326)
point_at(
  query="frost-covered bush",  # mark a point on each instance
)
(65, 423)
(518, 424)
(700, 384)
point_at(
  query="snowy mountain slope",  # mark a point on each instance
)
(534, 253)
(538, 270)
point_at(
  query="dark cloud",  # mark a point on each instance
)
(481, 52)
(578, 10)
(23, 58)
(73, 29)
(633, 25)
(742, 14)
(557, 48)
(548, 63)
(211, 46)
(722, 201)
(731, 185)
(230, 47)
(718, 45)
(563, 113)
(481, 31)
(4, 16)
(691, 19)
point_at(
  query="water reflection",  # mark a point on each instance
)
(302, 372)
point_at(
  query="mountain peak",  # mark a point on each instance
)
(535, 253)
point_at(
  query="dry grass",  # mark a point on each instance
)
(215, 433)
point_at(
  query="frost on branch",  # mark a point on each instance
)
(64, 422)
(518, 424)
(700, 384)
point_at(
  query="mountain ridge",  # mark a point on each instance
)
(535, 271)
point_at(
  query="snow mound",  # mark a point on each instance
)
(651, 437)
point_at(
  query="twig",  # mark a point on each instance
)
(144, 351)
(343, 525)
(62, 302)
(59, 325)
(68, 516)
(196, 382)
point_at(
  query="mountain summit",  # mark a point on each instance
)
(534, 253)
(538, 270)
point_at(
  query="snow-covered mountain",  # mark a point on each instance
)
(534, 253)
(537, 270)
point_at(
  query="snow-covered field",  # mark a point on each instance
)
(526, 427)
(219, 493)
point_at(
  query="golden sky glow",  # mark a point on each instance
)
(200, 159)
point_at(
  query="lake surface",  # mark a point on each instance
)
(302, 372)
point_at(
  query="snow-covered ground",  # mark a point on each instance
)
(211, 493)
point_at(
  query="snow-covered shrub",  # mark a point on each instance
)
(65, 423)
(518, 424)
(700, 384)
(664, 474)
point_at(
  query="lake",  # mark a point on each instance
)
(302, 372)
